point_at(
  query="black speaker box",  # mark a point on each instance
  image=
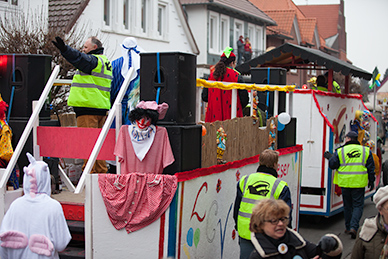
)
(186, 144)
(287, 137)
(277, 76)
(17, 126)
(29, 74)
(177, 82)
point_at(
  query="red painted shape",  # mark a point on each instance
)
(73, 211)
(161, 235)
(200, 219)
(73, 142)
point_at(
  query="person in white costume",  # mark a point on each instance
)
(34, 226)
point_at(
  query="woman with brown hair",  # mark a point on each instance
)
(272, 239)
(220, 101)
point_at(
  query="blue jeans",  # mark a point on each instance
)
(353, 199)
(246, 248)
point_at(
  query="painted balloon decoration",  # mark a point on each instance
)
(196, 237)
(189, 237)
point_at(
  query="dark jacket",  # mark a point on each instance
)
(85, 63)
(285, 195)
(370, 239)
(334, 162)
(267, 247)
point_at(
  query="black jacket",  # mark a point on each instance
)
(267, 247)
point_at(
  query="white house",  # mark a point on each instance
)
(158, 25)
(217, 24)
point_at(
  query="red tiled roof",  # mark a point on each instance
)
(273, 4)
(327, 17)
(307, 28)
(242, 6)
(284, 19)
(64, 13)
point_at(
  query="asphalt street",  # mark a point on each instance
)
(312, 228)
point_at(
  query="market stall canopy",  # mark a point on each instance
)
(293, 56)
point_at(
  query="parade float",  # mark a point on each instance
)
(196, 218)
(322, 120)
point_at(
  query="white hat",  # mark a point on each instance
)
(381, 196)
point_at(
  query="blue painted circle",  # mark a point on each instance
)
(190, 235)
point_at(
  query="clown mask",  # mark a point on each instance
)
(143, 123)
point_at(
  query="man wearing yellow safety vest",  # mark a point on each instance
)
(336, 86)
(90, 88)
(263, 184)
(355, 170)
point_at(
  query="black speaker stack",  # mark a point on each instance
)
(275, 76)
(171, 77)
(22, 80)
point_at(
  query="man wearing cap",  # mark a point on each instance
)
(372, 237)
(355, 170)
(90, 87)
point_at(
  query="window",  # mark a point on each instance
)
(126, 14)
(238, 30)
(162, 21)
(224, 32)
(137, 18)
(107, 7)
(258, 41)
(213, 33)
(144, 15)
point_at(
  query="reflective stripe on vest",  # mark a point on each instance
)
(266, 186)
(352, 172)
(92, 90)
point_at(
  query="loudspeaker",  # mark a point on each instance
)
(287, 137)
(175, 74)
(17, 127)
(29, 75)
(186, 144)
(277, 76)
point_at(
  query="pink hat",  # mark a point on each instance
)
(152, 105)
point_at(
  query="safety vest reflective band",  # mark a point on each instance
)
(92, 90)
(352, 172)
(255, 187)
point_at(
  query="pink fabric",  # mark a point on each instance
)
(158, 157)
(152, 105)
(41, 245)
(13, 239)
(135, 200)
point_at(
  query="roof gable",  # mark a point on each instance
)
(284, 20)
(63, 14)
(327, 17)
(307, 28)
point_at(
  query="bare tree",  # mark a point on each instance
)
(29, 33)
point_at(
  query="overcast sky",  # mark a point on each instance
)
(367, 31)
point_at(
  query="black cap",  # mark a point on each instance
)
(352, 135)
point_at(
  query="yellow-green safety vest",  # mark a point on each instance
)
(336, 87)
(92, 91)
(352, 172)
(255, 187)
